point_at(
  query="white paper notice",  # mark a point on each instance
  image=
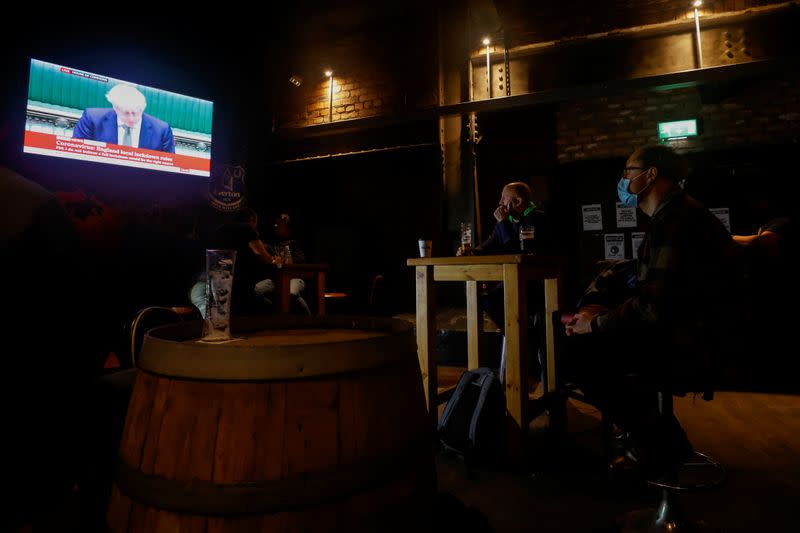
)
(724, 214)
(592, 217)
(636, 241)
(615, 245)
(626, 216)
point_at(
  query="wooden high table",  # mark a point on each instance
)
(514, 271)
(303, 271)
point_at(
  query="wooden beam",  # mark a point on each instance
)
(673, 80)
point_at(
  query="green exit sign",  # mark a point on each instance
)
(678, 129)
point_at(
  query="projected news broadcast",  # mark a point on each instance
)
(76, 114)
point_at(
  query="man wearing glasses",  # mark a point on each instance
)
(669, 331)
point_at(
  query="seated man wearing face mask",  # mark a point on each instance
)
(669, 331)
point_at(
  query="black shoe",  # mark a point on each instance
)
(621, 442)
(625, 464)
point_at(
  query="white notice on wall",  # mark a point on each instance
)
(724, 214)
(592, 217)
(615, 245)
(636, 241)
(626, 216)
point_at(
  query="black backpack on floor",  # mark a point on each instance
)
(473, 422)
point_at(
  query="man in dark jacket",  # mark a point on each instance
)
(669, 333)
(516, 210)
(286, 250)
(253, 261)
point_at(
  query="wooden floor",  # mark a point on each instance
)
(756, 436)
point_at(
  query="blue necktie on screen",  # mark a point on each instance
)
(126, 138)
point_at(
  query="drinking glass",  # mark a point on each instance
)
(526, 234)
(425, 247)
(466, 238)
(219, 287)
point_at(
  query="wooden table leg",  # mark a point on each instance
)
(516, 383)
(550, 307)
(556, 414)
(426, 337)
(474, 326)
(284, 288)
(321, 293)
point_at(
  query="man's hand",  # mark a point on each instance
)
(581, 323)
(500, 213)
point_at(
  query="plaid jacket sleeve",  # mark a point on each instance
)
(661, 267)
(654, 279)
(685, 273)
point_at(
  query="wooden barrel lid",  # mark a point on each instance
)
(279, 347)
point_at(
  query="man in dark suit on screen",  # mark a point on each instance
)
(125, 123)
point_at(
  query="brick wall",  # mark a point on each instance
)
(762, 112)
(355, 95)
(379, 68)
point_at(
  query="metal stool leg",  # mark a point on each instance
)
(669, 516)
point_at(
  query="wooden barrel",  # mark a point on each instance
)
(301, 424)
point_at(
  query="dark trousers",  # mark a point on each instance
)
(494, 306)
(621, 374)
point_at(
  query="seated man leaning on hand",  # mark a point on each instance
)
(515, 210)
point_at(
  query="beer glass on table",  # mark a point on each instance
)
(526, 234)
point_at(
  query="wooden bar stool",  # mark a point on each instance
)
(700, 473)
(336, 301)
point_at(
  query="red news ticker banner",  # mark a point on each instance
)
(55, 145)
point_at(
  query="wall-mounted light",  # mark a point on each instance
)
(696, 4)
(329, 75)
(486, 42)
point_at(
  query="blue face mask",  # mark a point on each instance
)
(625, 196)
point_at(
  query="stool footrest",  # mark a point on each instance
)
(708, 463)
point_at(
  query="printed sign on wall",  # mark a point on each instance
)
(592, 217)
(615, 245)
(724, 214)
(626, 216)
